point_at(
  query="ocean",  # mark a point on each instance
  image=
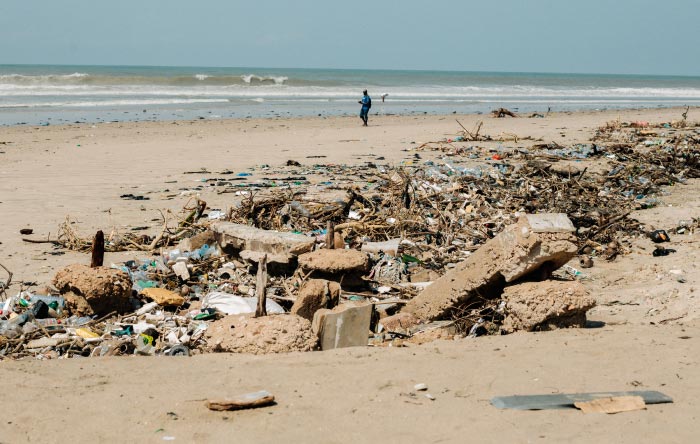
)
(49, 95)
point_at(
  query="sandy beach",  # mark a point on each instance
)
(48, 173)
(649, 339)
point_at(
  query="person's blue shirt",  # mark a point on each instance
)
(366, 102)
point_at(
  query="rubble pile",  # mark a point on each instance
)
(475, 241)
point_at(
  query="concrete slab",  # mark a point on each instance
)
(346, 328)
(234, 238)
(516, 252)
(550, 222)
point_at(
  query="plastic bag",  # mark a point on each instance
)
(232, 304)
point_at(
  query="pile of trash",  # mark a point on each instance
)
(329, 256)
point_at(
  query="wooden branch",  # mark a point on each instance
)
(162, 233)
(9, 279)
(37, 241)
(261, 287)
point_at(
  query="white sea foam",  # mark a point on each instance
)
(108, 103)
(278, 91)
(42, 78)
(251, 78)
(201, 76)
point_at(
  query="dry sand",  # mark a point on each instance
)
(651, 338)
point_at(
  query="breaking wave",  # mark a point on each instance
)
(253, 78)
(197, 79)
(50, 78)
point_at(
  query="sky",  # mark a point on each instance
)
(569, 36)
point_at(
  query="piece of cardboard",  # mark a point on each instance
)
(615, 404)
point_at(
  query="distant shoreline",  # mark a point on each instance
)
(373, 116)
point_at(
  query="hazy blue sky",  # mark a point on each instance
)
(600, 36)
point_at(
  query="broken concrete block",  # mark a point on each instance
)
(255, 256)
(267, 334)
(98, 290)
(517, 251)
(540, 306)
(335, 261)
(390, 247)
(550, 223)
(234, 238)
(344, 266)
(399, 323)
(163, 297)
(315, 295)
(344, 326)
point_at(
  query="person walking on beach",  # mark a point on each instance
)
(366, 103)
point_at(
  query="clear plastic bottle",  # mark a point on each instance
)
(77, 321)
(48, 300)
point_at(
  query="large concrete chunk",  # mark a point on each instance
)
(517, 251)
(541, 306)
(98, 290)
(267, 334)
(343, 327)
(234, 238)
(335, 261)
(344, 266)
(315, 295)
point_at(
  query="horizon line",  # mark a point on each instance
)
(360, 69)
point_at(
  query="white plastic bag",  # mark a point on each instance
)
(232, 304)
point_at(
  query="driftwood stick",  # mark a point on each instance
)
(162, 233)
(465, 130)
(261, 287)
(37, 241)
(98, 250)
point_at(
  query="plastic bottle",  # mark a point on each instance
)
(48, 300)
(77, 321)
(48, 322)
(10, 330)
(206, 251)
(146, 308)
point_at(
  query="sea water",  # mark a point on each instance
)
(43, 95)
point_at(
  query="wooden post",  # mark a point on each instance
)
(261, 288)
(330, 236)
(98, 250)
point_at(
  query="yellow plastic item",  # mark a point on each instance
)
(86, 333)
